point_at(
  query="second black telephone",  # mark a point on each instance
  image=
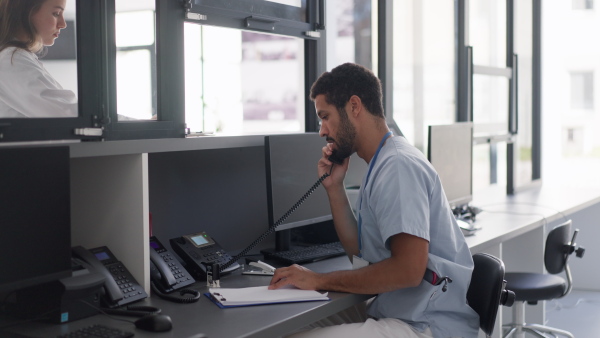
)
(166, 272)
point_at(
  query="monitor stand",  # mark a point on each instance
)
(318, 233)
(283, 240)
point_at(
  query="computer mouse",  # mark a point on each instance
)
(154, 323)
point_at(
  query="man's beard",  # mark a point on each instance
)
(345, 137)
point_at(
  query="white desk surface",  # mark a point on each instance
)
(506, 217)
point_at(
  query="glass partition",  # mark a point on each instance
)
(490, 105)
(424, 67)
(487, 32)
(135, 60)
(352, 33)
(42, 82)
(489, 166)
(240, 82)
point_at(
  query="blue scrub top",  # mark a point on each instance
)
(404, 194)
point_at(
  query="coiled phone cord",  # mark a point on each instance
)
(278, 223)
(194, 295)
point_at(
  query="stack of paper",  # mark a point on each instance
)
(261, 295)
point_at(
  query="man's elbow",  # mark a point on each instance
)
(415, 277)
(414, 281)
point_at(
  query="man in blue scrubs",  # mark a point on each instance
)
(404, 231)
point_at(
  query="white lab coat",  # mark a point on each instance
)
(28, 90)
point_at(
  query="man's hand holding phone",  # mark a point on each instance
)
(340, 166)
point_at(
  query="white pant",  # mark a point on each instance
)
(354, 322)
(386, 327)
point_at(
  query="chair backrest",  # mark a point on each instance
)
(485, 291)
(555, 253)
(558, 249)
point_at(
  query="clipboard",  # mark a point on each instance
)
(261, 295)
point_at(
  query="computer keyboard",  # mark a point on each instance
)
(97, 331)
(307, 254)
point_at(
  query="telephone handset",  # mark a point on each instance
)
(167, 275)
(335, 158)
(165, 270)
(120, 287)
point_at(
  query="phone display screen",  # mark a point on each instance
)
(200, 239)
(102, 256)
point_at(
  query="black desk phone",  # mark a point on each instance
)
(166, 272)
(120, 288)
(198, 248)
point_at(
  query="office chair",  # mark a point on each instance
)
(487, 290)
(534, 287)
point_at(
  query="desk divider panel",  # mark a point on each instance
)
(109, 206)
(219, 191)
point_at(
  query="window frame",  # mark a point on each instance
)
(170, 67)
(314, 46)
(169, 78)
(464, 90)
(248, 15)
(96, 65)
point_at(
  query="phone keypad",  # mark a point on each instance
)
(131, 290)
(215, 256)
(181, 276)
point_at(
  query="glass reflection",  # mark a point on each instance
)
(136, 59)
(489, 166)
(424, 66)
(38, 59)
(352, 29)
(487, 32)
(240, 82)
(490, 105)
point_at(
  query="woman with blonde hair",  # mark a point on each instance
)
(26, 87)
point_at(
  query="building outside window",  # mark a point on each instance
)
(582, 90)
(136, 60)
(582, 4)
(570, 119)
(241, 82)
(351, 33)
(424, 67)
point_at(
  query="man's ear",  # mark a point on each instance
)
(355, 105)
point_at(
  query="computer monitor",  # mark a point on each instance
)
(450, 151)
(35, 216)
(291, 167)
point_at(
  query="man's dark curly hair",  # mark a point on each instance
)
(346, 80)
